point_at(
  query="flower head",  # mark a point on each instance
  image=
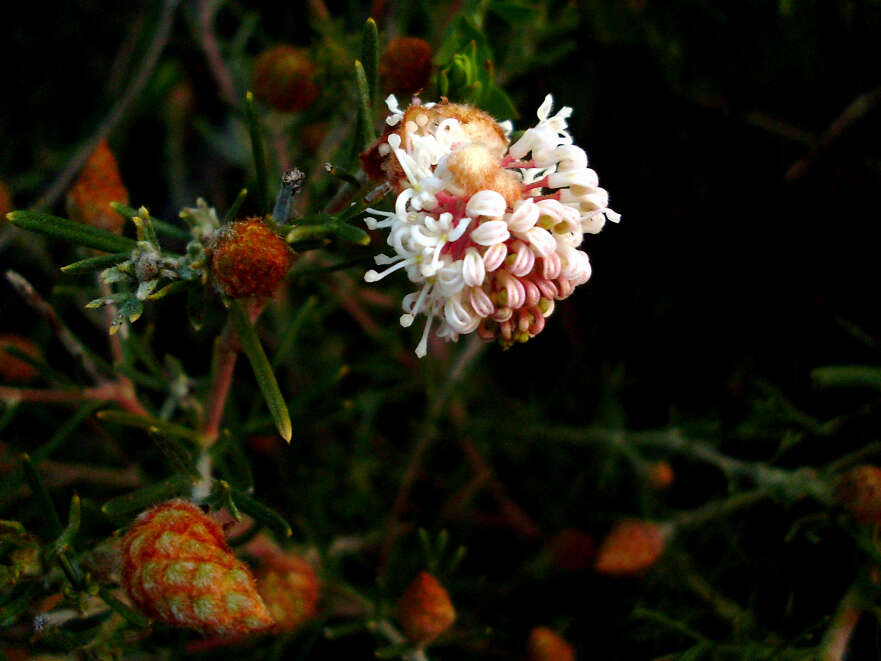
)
(488, 231)
(178, 568)
(249, 259)
(425, 609)
(99, 184)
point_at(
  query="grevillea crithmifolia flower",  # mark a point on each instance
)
(489, 231)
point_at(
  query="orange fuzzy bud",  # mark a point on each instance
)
(283, 78)
(99, 184)
(661, 475)
(425, 609)
(571, 550)
(405, 66)
(545, 645)
(13, 368)
(631, 546)
(249, 259)
(5, 201)
(859, 492)
(178, 568)
(290, 589)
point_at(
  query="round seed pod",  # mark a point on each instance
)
(249, 259)
(178, 568)
(859, 492)
(425, 610)
(405, 65)
(290, 590)
(630, 547)
(545, 645)
(99, 184)
(283, 78)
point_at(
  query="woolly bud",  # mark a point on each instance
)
(661, 475)
(859, 492)
(283, 78)
(425, 609)
(13, 368)
(99, 184)
(405, 66)
(631, 546)
(545, 645)
(289, 588)
(177, 568)
(571, 550)
(249, 259)
(5, 201)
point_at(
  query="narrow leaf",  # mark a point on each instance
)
(370, 57)
(262, 370)
(230, 214)
(98, 263)
(162, 227)
(365, 113)
(143, 498)
(847, 376)
(351, 233)
(149, 423)
(259, 512)
(39, 489)
(127, 613)
(257, 152)
(67, 230)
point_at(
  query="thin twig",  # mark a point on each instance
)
(414, 465)
(119, 110)
(205, 13)
(833, 647)
(856, 110)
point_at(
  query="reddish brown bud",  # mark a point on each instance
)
(571, 550)
(99, 184)
(405, 66)
(425, 609)
(5, 201)
(178, 568)
(289, 588)
(283, 78)
(545, 645)
(859, 492)
(661, 475)
(631, 546)
(13, 368)
(249, 259)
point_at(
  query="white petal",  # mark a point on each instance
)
(473, 270)
(542, 241)
(490, 233)
(524, 217)
(486, 203)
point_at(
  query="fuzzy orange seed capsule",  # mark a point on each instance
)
(661, 475)
(290, 590)
(545, 645)
(13, 368)
(249, 259)
(425, 609)
(405, 66)
(178, 568)
(859, 492)
(99, 184)
(630, 547)
(283, 78)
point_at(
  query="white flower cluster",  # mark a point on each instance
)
(490, 238)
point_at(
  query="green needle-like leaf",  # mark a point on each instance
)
(162, 227)
(39, 489)
(262, 370)
(230, 214)
(143, 498)
(149, 423)
(364, 133)
(128, 614)
(98, 263)
(370, 56)
(67, 230)
(259, 512)
(257, 152)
